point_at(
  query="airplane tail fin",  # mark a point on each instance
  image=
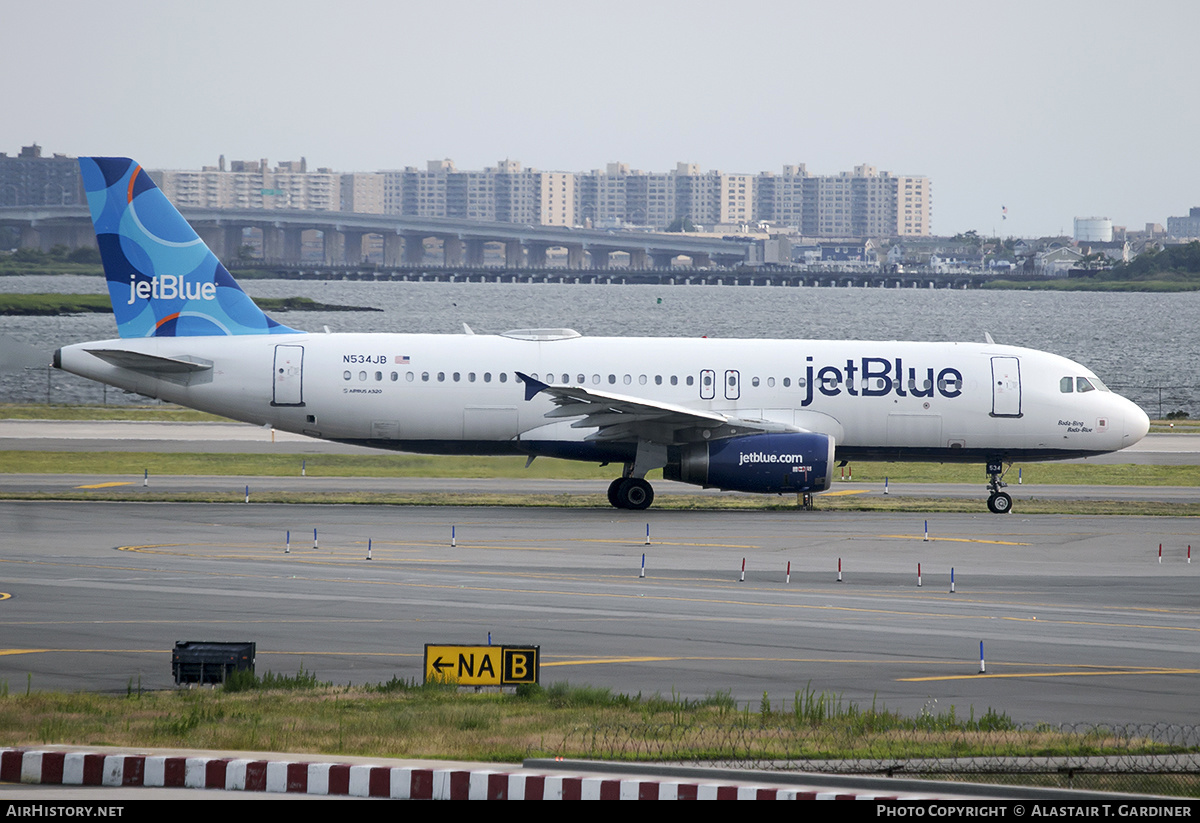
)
(162, 279)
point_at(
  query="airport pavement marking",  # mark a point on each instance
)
(5, 596)
(636, 540)
(676, 598)
(618, 575)
(925, 539)
(1062, 622)
(106, 485)
(1112, 672)
(272, 549)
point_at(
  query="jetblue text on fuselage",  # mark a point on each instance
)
(879, 377)
(169, 287)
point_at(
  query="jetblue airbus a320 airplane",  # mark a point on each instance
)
(769, 416)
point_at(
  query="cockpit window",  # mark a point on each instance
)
(1066, 385)
(1082, 384)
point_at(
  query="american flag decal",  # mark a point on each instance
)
(402, 358)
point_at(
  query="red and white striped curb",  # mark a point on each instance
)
(232, 774)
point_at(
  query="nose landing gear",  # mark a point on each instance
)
(998, 502)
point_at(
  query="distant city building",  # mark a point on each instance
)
(252, 184)
(362, 193)
(862, 203)
(32, 180)
(858, 204)
(1181, 227)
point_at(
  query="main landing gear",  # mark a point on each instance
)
(998, 502)
(630, 493)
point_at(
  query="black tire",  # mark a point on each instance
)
(614, 493)
(636, 494)
(1000, 503)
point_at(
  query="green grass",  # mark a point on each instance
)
(684, 502)
(54, 304)
(164, 413)
(405, 719)
(385, 464)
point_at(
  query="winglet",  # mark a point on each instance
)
(532, 387)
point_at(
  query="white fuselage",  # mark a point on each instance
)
(460, 393)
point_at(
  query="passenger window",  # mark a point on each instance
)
(378, 376)
(658, 379)
(487, 377)
(345, 375)
(362, 375)
(456, 377)
(612, 378)
(691, 380)
(641, 380)
(395, 377)
(471, 377)
(627, 380)
(424, 377)
(582, 379)
(1066, 385)
(566, 379)
(674, 380)
(787, 381)
(503, 377)
(754, 381)
(596, 379)
(408, 376)
(441, 377)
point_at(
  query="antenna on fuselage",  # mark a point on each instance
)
(987, 338)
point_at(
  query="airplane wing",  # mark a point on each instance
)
(621, 417)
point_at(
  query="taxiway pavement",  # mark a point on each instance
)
(1079, 620)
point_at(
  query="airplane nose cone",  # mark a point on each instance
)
(1137, 423)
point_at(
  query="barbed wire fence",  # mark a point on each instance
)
(1159, 401)
(1142, 759)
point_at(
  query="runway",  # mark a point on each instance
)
(1079, 619)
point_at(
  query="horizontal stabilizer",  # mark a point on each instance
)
(150, 363)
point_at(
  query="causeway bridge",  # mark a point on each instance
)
(403, 238)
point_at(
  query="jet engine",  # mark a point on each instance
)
(788, 463)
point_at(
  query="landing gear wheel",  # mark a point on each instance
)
(614, 493)
(1000, 503)
(635, 493)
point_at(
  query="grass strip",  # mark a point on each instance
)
(682, 502)
(385, 464)
(403, 719)
(165, 413)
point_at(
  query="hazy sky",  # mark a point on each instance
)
(1054, 109)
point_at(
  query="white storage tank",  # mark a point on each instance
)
(1093, 229)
